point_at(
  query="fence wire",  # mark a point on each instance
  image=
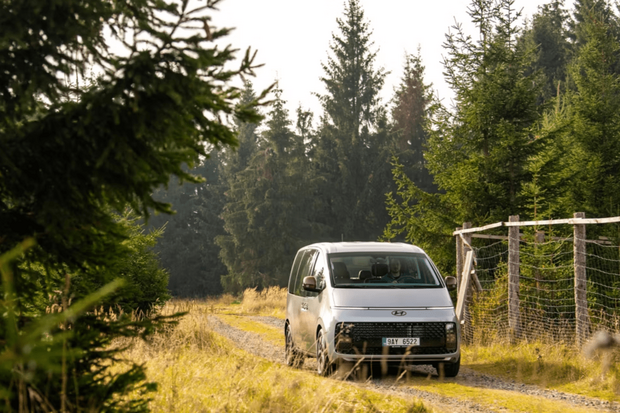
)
(603, 274)
(546, 290)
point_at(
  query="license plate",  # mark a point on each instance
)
(401, 341)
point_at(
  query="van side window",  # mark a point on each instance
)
(319, 273)
(305, 265)
(294, 271)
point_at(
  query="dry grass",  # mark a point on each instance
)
(269, 302)
(498, 400)
(200, 371)
(550, 365)
(267, 332)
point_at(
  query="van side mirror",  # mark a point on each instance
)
(309, 284)
(450, 283)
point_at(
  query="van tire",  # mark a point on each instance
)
(292, 356)
(323, 365)
(449, 369)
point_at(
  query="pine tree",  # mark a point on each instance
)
(236, 225)
(548, 33)
(268, 213)
(594, 132)
(479, 153)
(72, 156)
(347, 142)
(411, 116)
(187, 247)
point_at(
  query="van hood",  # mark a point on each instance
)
(391, 298)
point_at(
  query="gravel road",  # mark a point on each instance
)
(254, 344)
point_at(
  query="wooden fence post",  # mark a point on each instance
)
(582, 325)
(466, 321)
(513, 279)
(466, 238)
(461, 252)
(461, 302)
(459, 261)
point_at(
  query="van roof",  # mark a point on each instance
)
(339, 247)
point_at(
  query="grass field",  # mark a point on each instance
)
(549, 365)
(199, 370)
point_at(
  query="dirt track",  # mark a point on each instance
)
(254, 344)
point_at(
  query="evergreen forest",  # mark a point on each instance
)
(88, 132)
(532, 131)
(138, 162)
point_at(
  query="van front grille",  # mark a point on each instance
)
(367, 338)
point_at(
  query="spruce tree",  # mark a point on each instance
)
(71, 156)
(268, 212)
(548, 33)
(412, 103)
(586, 12)
(352, 83)
(236, 225)
(479, 153)
(347, 143)
(187, 247)
(237, 159)
(594, 131)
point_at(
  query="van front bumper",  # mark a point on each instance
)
(433, 341)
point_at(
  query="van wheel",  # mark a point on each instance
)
(449, 369)
(293, 357)
(323, 365)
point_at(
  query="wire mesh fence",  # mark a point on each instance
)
(603, 275)
(547, 305)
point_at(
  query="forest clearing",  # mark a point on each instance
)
(228, 355)
(141, 172)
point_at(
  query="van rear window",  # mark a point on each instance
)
(382, 270)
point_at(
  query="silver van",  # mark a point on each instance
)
(370, 301)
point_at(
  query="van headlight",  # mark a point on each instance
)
(451, 339)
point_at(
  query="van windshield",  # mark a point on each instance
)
(382, 270)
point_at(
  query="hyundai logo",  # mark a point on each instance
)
(399, 313)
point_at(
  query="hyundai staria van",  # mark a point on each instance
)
(370, 302)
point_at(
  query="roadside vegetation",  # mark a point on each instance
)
(549, 365)
(102, 103)
(554, 366)
(199, 370)
(507, 401)
(270, 302)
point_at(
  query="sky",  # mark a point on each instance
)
(292, 38)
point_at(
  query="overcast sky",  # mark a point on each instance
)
(293, 37)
